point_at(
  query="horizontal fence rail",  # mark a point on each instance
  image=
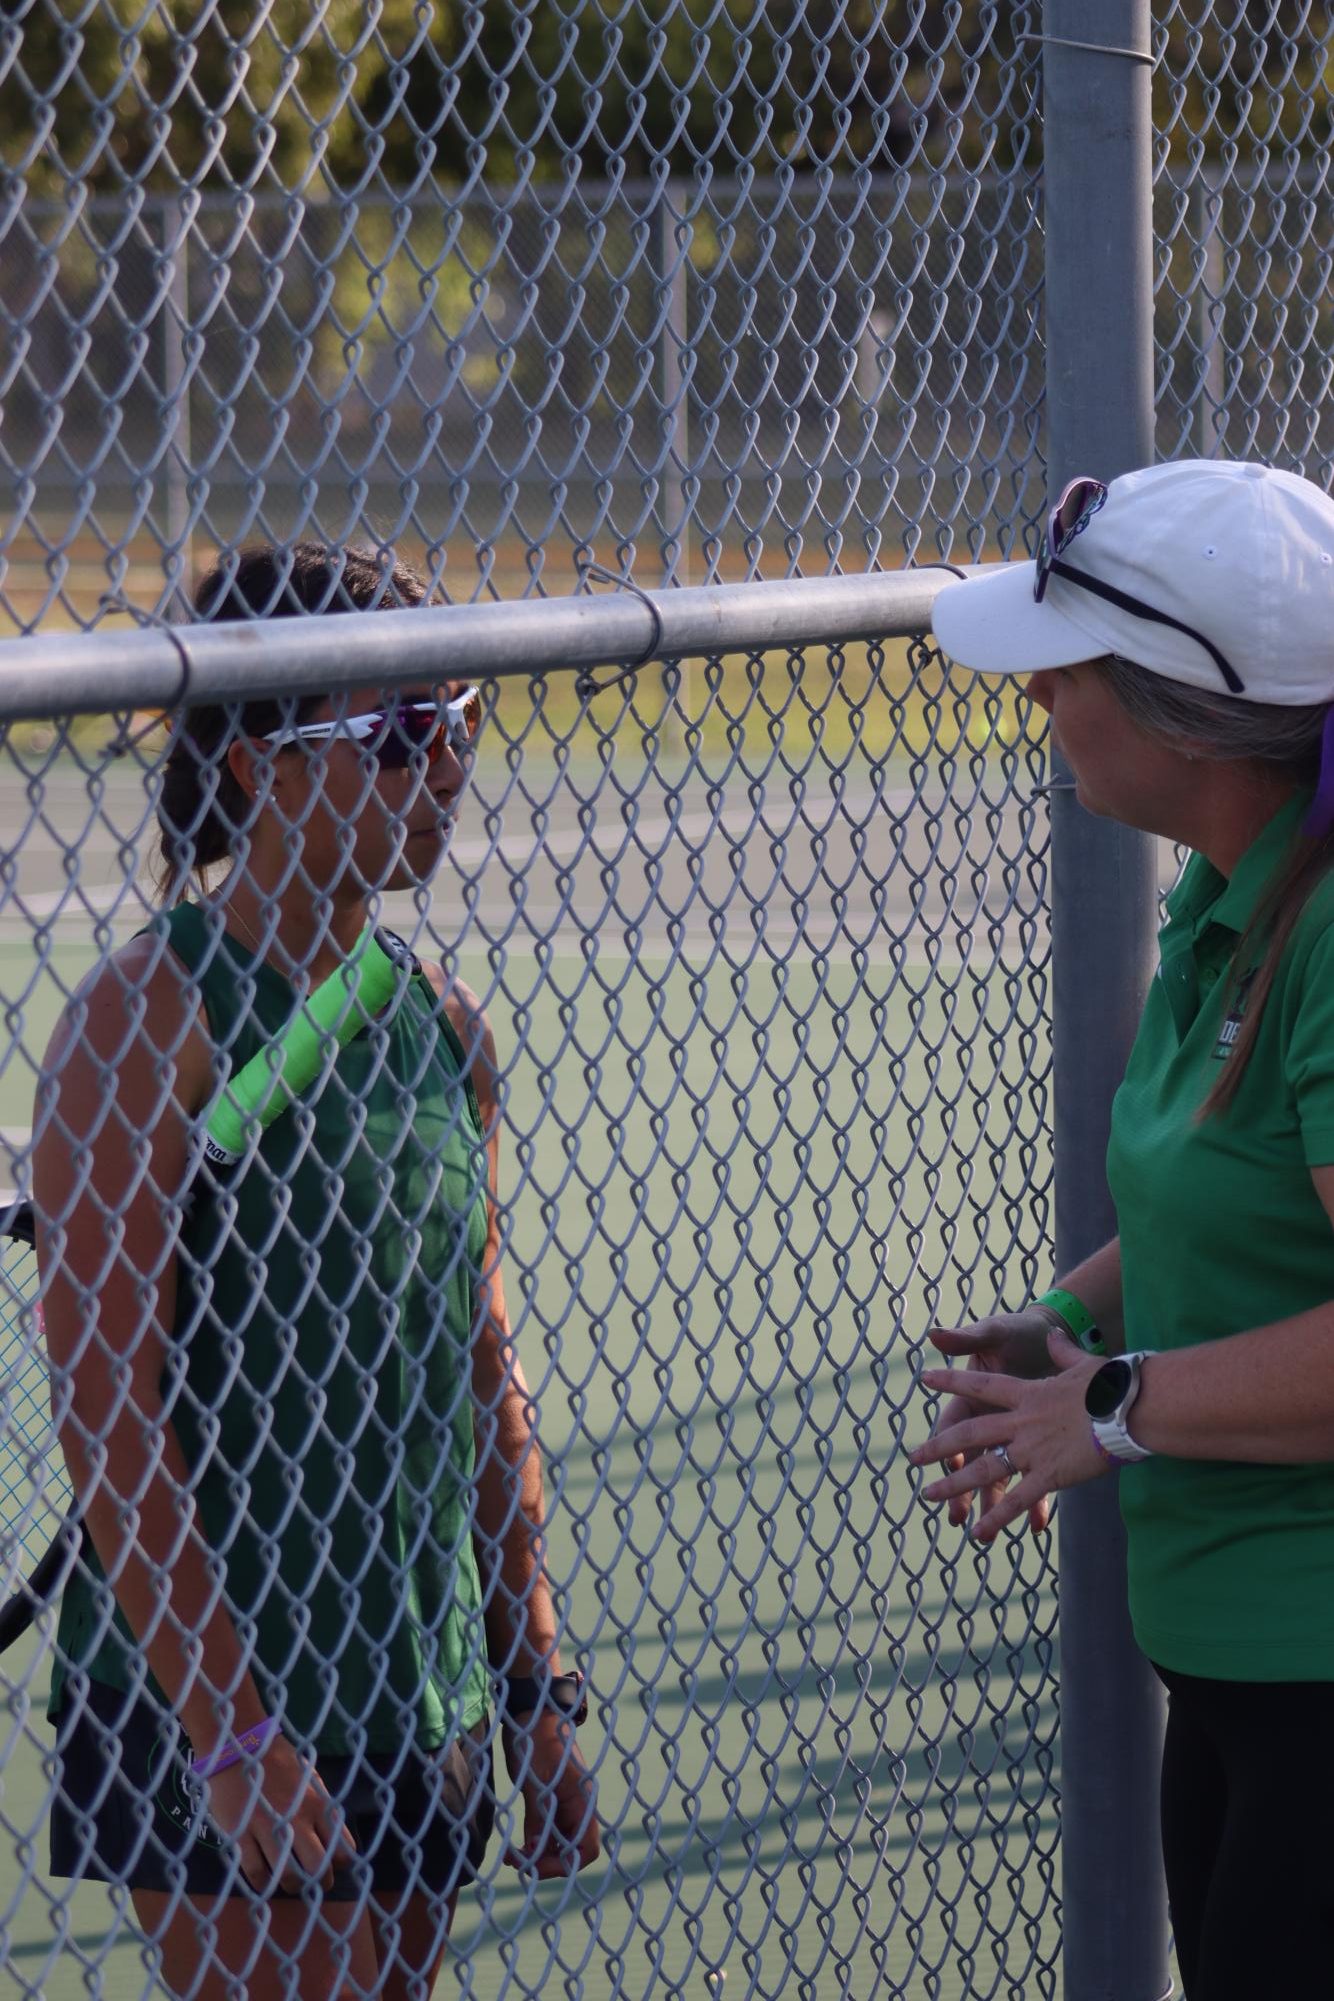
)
(159, 666)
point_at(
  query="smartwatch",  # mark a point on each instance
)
(1109, 1399)
(525, 1695)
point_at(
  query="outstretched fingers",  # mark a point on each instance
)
(975, 1386)
(1027, 1496)
(959, 1445)
(990, 1469)
(975, 1453)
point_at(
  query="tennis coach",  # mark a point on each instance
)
(1178, 627)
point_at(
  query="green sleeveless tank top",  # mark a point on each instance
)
(319, 1378)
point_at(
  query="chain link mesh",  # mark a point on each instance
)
(698, 294)
(766, 968)
(1241, 221)
(702, 291)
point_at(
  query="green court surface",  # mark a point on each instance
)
(745, 1174)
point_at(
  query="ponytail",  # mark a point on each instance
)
(1269, 932)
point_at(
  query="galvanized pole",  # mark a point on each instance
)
(674, 382)
(1099, 313)
(674, 231)
(178, 556)
(1212, 386)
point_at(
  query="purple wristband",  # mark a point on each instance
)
(1098, 1445)
(249, 1744)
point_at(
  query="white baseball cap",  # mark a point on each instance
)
(1216, 575)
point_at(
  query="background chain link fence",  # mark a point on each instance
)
(1241, 101)
(797, 328)
(681, 377)
(702, 293)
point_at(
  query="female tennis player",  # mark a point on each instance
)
(1178, 626)
(288, 1398)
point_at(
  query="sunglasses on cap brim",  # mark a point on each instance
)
(1078, 504)
(394, 737)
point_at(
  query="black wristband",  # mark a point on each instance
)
(524, 1695)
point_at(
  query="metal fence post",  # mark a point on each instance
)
(1212, 377)
(1099, 303)
(674, 377)
(176, 379)
(675, 499)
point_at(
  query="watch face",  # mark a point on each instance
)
(1107, 1389)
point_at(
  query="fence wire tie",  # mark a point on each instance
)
(1093, 48)
(1049, 785)
(585, 686)
(124, 741)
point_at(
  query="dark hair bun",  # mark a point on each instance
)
(201, 805)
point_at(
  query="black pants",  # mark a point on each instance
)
(1248, 1836)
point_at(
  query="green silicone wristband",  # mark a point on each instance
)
(1082, 1327)
(339, 1007)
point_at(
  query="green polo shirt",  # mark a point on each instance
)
(1231, 1566)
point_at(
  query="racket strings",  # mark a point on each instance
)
(35, 1490)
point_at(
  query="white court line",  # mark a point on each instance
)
(71, 902)
(547, 929)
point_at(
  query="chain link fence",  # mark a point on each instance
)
(697, 297)
(767, 976)
(656, 295)
(1242, 234)
(783, 363)
(685, 375)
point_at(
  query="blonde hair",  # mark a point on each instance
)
(1287, 740)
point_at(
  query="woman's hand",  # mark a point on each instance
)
(560, 1826)
(1042, 1427)
(1006, 1344)
(285, 1826)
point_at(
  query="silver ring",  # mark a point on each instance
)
(1011, 1470)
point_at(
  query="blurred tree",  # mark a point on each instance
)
(1243, 74)
(297, 94)
(293, 94)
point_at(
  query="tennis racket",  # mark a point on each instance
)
(40, 1531)
(38, 1540)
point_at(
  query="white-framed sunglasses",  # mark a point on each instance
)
(397, 735)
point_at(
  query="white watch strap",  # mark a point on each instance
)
(1117, 1443)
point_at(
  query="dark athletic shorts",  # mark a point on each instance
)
(126, 1810)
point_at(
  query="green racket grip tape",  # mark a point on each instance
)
(339, 1007)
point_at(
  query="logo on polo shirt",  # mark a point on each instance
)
(1231, 1029)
